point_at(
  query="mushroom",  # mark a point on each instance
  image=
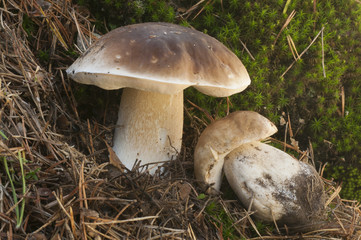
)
(154, 62)
(222, 137)
(277, 186)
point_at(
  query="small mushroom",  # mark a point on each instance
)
(154, 62)
(222, 137)
(277, 186)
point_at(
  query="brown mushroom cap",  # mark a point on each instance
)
(222, 137)
(161, 57)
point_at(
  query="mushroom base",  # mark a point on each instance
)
(149, 128)
(277, 186)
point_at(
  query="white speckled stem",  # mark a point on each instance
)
(149, 128)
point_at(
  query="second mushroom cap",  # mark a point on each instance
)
(223, 136)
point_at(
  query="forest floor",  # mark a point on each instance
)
(56, 176)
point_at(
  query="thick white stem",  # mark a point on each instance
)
(149, 128)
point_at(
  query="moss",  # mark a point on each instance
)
(303, 92)
(222, 220)
(43, 56)
(29, 26)
(350, 179)
(115, 13)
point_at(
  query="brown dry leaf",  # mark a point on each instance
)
(63, 123)
(45, 192)
(89, 213)
(282, 121)
(114, 160)
(294, 143)
(184, 190)
(38, 236)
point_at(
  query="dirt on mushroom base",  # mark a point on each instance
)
(309, 197)
(70, 189)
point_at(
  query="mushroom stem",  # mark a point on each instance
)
(149, 127)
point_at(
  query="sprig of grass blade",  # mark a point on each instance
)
(18, 212)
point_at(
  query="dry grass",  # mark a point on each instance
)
(71, 190)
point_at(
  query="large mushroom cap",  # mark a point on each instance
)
(161, 57)
(223, 136)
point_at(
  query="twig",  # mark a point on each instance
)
(323, 55)
(286, 6)
(304, 51)
(333, 196)
(191, 9)
(55, 30)
(81, 37)
(245, 47)
(102, 221)
(285, 137)
(292, 47)
(288, 20)
(342, 101)
(203, 110)
(83, 203)
(201, 10)
(61, 205)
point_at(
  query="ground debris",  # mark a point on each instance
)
(71, 190)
